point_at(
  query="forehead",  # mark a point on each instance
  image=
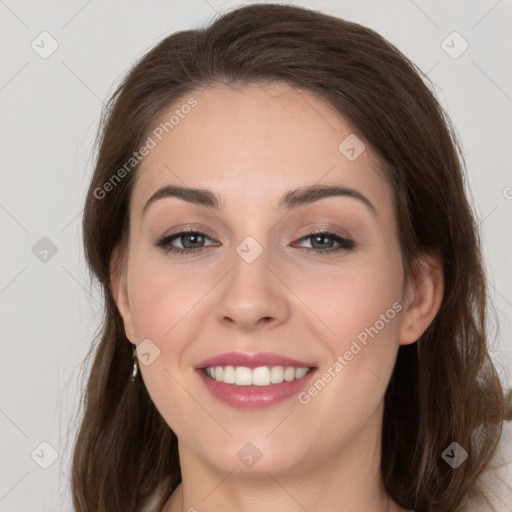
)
(251, 144)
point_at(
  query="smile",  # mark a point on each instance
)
(260, 376)
(253, 381)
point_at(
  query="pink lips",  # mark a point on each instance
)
(253, 397)
(252, 360)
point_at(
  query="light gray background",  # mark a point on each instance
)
(50, 110)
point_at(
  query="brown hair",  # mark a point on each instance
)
(444, 387)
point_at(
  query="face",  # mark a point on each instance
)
(299, 328)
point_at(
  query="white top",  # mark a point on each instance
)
(497, 479)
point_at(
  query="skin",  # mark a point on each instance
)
(250, 145)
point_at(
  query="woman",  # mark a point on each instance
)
(278, 220)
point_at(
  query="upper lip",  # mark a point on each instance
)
(252, 360)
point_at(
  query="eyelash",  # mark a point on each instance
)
(164, 243)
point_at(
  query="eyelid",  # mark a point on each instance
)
(326, 228)
(188, 228)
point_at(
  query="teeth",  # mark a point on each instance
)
(243, 376)
(229, 375)
(289, 374)
(261, 376)
(301, 372)
(276, 375)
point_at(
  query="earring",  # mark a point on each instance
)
(135, 369)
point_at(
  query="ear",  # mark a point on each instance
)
(423, 296)
(120, 291)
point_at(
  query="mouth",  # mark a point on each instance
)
(260, 376)
(253, 381)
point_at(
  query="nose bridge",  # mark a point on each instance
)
(251, 292)
(250, 276)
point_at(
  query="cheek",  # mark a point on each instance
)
(162, 297)
(363, 313)
(163, 301)
(356, 300)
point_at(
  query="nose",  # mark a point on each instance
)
(252, 296)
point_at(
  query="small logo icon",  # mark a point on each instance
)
(454, 455)
(44, 250)
(351, 147)
(249, 454)
(216, 4)
(249, 249)
(44, 45)
(454, 45)
(147, 352)
(44, 455)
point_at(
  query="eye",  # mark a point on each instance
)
(192, 243)
(319, 239)
(194, 238)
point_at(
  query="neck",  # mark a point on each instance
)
(347, 479)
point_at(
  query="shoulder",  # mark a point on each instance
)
(497, 479)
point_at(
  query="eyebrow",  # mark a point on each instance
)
(292, 199)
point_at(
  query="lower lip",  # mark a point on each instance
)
(254, 397)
